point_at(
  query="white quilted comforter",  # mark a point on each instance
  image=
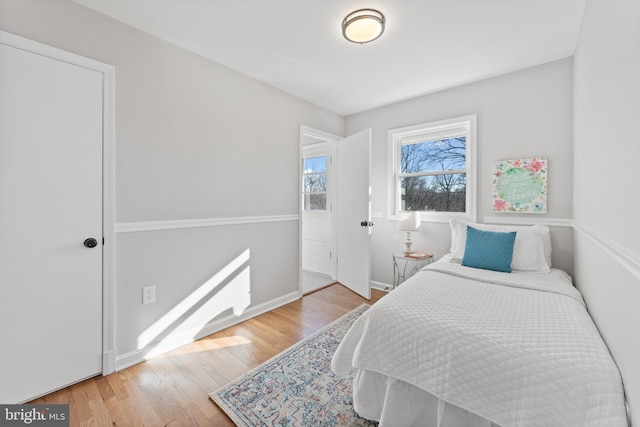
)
(518, 349)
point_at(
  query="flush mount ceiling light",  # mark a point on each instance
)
(363, 26)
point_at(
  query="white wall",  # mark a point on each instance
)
(606, 204)
(521, 114)
(193, 140)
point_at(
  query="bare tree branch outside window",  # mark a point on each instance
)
(436, 181)
(315, 184)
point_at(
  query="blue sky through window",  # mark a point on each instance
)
(315, 164)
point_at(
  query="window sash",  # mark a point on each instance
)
(431, 132)
(430, 138)
(431, 173)
(445, 193)
(427, 136)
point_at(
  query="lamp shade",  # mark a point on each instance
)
(409, 221)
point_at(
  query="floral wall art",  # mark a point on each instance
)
(520, 185)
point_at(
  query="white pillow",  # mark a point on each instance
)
(531, 250)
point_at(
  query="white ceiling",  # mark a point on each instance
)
(297, 45)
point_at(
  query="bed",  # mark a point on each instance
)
(462, 343)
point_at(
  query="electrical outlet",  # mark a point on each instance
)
(149, 294)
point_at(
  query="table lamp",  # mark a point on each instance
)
(408, 222)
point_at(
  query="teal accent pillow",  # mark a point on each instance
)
(489, 250)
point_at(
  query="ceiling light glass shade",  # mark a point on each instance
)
(363, 26)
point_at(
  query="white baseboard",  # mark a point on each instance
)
(381, 286)
(108, 362)
(134, 357)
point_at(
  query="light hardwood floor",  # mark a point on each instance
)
(172, 389)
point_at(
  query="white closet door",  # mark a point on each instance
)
(50, 203)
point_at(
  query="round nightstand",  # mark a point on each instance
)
(406, 266)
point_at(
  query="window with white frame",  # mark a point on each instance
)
(314, 179)
(432, 169)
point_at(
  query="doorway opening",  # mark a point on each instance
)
(317, 223)
(343, 201)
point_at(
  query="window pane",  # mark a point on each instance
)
(440, 193)
(315, 202)
(432, 156)
(315, 183)
(315, 164)
(318, 202)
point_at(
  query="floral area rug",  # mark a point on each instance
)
(296, 387)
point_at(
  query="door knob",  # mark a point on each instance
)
(91, 242)
(366, 224)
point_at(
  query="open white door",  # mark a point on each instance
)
(354, 212)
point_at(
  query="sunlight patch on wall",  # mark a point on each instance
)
(228, 289)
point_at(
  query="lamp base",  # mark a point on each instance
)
(407, 243)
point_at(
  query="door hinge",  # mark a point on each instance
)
(103, 241)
